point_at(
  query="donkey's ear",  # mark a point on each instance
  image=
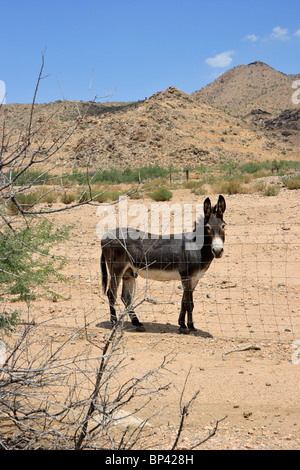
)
(221, 205)
(207, 207)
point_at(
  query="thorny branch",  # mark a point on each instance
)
(211, 434)
(17, 157)
(184, 410)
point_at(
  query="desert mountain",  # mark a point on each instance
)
(171, 127)
(247, 87)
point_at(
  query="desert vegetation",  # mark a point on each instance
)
(109, 185)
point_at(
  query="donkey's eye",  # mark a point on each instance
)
(223, 226)
(208, 227)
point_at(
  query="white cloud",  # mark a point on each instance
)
(297, 33)
(280, 33)
(220, 60)
(251, 37)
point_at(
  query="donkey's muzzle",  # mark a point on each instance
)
(217, 248)
(218, 252)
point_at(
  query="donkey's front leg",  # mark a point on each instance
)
(187, 306)
(181, 319)
(190, 308)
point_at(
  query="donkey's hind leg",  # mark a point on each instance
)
(112, 295)
(127, 293)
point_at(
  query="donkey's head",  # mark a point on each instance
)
(214, 226)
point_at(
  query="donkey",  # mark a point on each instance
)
(129, 253)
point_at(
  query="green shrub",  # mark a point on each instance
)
(25, 260)
(161, 194)
(25, 200)
(68, 198)
(156, 182)
(107, 196)
(29, 177)
(201, 169)
(250, 167)
(49, 196)
(29, 199)
(293, 182)
(271, 190)
(269, 167)
(228, 186)
(192, 184)
(116, 175)
(9, 320)
(260, 186)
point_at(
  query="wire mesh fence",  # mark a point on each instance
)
(252, 292)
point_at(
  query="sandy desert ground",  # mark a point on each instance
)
(249, 297)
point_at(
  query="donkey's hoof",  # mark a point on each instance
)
(184, 331)
(140, 328)
(191, 327)
(137, 324)
(193, 331)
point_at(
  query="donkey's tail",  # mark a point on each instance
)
(104, 273)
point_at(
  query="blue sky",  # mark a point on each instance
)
(135, 48)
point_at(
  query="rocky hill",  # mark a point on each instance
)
(246, 87)
(169, 128)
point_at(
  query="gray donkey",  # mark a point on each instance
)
(129, 253)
